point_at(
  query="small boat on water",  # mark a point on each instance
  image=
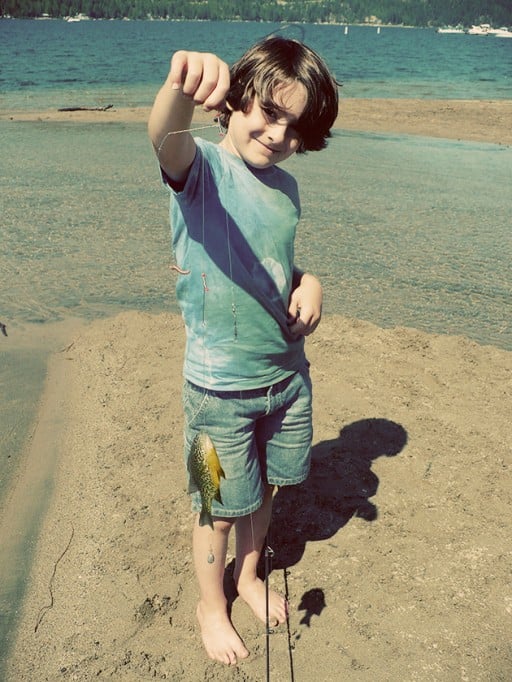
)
(502, 33)
(451, 29)
(480, 30)
(487, 30)
(77, 17)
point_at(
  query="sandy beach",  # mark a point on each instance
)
(477, 120)
(395, 554)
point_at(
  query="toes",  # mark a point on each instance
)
(230, 659)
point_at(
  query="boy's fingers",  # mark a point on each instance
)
(293, 310)
(217, 95)
(305, 322)
(208, 80)
(193, 82)
(186, 72)
(178, 67)
(203, 77)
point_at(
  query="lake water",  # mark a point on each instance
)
(55, 63)
(401, 230)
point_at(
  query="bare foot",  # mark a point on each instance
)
(220, 638)
(253, 593)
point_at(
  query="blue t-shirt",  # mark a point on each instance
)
(233, 227)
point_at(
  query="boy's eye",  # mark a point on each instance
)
(270, 113)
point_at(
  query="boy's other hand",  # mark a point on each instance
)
(202, 77)
(305, 309)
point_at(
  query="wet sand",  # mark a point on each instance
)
(394, 554)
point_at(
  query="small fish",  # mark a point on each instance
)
(206, 472)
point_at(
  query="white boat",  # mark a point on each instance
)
(450, 29)
(481, 30)
(502, 33)
(78, 17)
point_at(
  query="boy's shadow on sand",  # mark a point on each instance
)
(339, 487)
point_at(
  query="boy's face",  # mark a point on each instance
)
(263, 136)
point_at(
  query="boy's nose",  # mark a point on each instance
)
(277, 132)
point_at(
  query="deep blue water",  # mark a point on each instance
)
(55, 63)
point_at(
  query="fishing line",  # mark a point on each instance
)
(211, 556)
(178, 132)
(235, 328)
(288, 27)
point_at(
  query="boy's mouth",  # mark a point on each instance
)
(269, 149)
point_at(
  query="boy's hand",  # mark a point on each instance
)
(305, 309)
(202, 77)
(194, 78)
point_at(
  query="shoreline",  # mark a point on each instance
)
(33, 417)
(471, 120)
(379, 529)
(24, 508)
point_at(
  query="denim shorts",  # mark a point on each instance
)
(261, 435)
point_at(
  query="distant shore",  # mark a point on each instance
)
(472, 120)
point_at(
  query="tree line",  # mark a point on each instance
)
(398, 12)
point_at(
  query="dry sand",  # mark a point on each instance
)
(395, 554)
(477, 120)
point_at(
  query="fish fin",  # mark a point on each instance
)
(205, 518)
(218, 497)
(192, 487)
(216, 475)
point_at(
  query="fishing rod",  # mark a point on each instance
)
(269, 553)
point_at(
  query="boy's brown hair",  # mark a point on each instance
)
(274, 62)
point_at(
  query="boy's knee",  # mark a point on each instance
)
(223, 524)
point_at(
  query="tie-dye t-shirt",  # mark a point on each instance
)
(233, 230)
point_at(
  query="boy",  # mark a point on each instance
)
(246, 309)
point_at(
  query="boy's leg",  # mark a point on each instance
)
(283, 440)
(251, 531)
(220, 639)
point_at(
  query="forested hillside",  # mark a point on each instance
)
(405, 12)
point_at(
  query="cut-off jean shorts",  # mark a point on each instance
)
(261, 436)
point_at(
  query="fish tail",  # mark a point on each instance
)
(205, 518)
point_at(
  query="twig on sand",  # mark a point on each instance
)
(108, 106)
(44, 609)
(68, 347)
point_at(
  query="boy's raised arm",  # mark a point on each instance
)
(194, 78)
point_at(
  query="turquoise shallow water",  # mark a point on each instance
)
(402, 230)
